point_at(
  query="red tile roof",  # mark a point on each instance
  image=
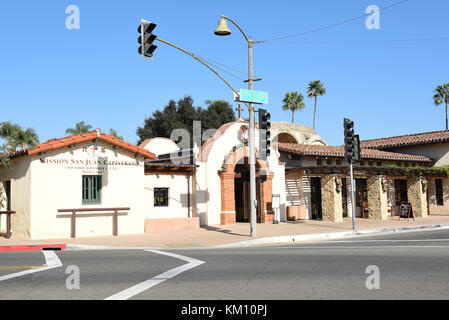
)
(407, 140)
(54, 144)
(338, 151)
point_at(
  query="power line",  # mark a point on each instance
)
(332, 25)
(223, 65)
(364, 41)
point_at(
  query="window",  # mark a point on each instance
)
(91, 189)
(400, 191)
(379, 163)
(439, 192)
(329, 161)
(319, 162)
(338, 162)
(361, 191)
(161, 197)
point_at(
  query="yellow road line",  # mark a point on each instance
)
(23, 267)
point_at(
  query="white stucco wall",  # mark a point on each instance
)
(57, 184)
(437, 151)
(159, 146)
(209, 180)
(20, 177)
(177, 192)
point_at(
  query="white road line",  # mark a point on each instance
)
(51, 261)
(362, 247)
(386, 240)
(135, 290)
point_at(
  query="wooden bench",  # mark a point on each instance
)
(100, 212)
(8, 223)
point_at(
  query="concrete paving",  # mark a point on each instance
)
(236, 234)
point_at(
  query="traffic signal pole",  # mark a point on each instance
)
(352, 197)
(252, 147)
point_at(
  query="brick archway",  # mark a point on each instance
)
(227, 176)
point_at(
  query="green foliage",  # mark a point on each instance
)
(442, 95)
(182, 114)
(314, 90)
(5, 160)
(16, 136)
(114, 133)
(293, 102)
(80, 127)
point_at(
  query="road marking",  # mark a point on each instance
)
(386, 240)
(51, 261)
(362, 247)
(139, 288)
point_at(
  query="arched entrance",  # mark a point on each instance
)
(234, 178)
(285, 137)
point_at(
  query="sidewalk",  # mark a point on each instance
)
(238, 234)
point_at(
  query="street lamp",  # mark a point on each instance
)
(223, 30)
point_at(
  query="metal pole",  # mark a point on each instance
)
(352, 197)
(252, 150)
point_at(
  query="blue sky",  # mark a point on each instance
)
(52, 77)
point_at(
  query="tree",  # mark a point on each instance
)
(442, 95)
(314, 90)
(80, 127)
(114, 133)
(25, 137)
(181, 115)
(293, 102)
(218, 112)
(8, 131)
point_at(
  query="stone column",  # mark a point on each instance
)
(377, 198)
(227, 215)
(331, 200)
(417, 197)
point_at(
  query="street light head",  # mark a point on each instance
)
(222, 29)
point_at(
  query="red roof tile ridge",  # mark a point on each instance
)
(57, 143)
(411, 135)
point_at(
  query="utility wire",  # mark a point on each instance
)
(364, 41)
(218, 64)
(223, 65)
(332, 25)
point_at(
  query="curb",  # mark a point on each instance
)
(38, 247)
(333, 235)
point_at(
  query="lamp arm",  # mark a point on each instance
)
(246, 38)
(204, 63)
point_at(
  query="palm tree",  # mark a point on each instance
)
(114, 133)
(314, 90)
(442, 95)
(8, 131)
(80, 127)
(293, 102)
(27, 137)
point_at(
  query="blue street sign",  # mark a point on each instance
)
(259, 97)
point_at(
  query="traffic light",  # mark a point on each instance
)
(349, 139)
(356, 153)
(146, 39)
(264, 134)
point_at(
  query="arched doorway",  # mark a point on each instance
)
(242, 191)
(235, 189)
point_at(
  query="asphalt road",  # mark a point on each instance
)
(410, 266)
